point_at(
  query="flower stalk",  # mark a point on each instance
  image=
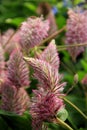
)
(53, 35)
(64, 47)
(74, 106)
(62, 123)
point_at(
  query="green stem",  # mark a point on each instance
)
(64, 47)
(53, 35)
(70, 46)
(8, 41)
(74, 106)
(62, 123)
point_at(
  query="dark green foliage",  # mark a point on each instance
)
(15, 122)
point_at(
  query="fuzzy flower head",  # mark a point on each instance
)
(33, 31)
(76, 31)
(18, 72)
(51, 55)
(13, 99)
(46, 75)
(44, 108)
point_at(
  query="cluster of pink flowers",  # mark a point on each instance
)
(46, 101)
(14, 97)
(16, 79)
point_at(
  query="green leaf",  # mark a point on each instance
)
(17, 122)
(81, 74)
(78, 1)
(30, 6)
(74, 117)
(52, 126)
(15, 21)
(62, 114)
(3, 125)
(61, 21)
(84, 64)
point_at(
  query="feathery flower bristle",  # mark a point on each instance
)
(76, 31)
(18, 72)
(13, 99)
(44, 108)
(50, 55)
(33, 31)
(46, 101)
(46, 74)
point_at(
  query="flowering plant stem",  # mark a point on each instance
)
(53, 35)
(62, 123)
(8, 41)
(74, 45)
(64, 47)
(74, 106)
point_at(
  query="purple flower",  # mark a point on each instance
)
(44, 107)
(76, 31)
(46, 101)
(46, 75)
(13, 99)
(50, 55)
(33, 31)
(18, 72)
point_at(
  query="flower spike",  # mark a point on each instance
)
(13, 99)
(33, 31)
(46, 74)
(18, 72)
(76, 31)
(50, 55)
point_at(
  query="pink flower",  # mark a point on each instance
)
(46, 75)
(13, 99)
(18, 72)
(33, 31)
(50, 55)
(44, 107)
(76, 31)
(46, 101)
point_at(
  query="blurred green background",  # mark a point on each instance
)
(13, 12)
